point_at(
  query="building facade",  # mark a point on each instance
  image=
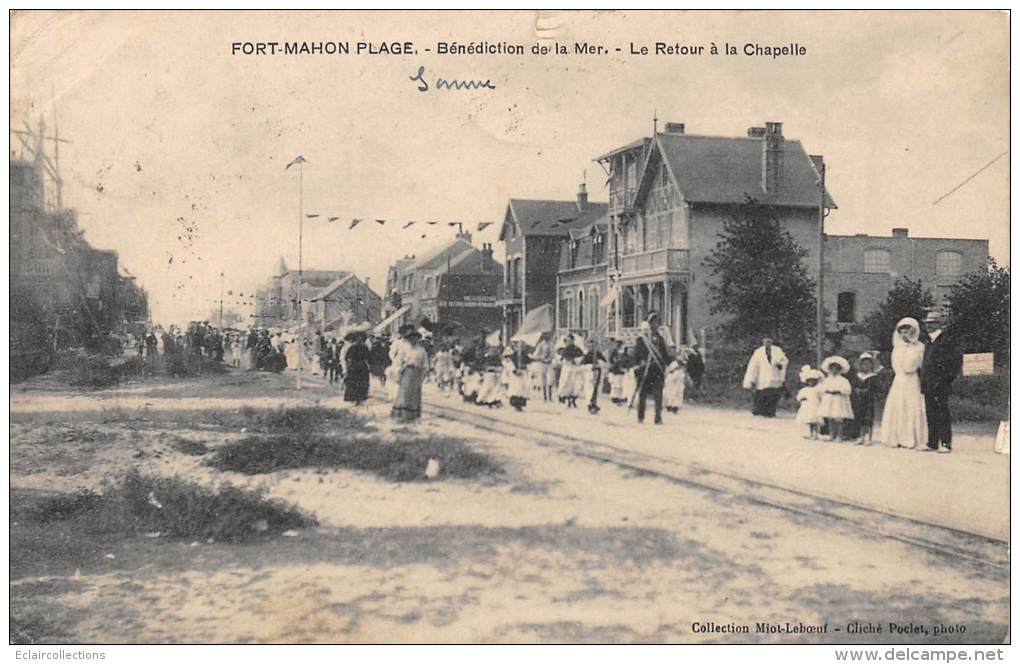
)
(59, 283)
(860, 270)
(669, 198)
(532, 235)
(278, 303)
(453, 287)
(346, 301)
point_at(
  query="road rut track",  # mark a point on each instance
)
(936, 539)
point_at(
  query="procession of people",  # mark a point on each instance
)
(838, 401)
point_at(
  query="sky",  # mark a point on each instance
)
(179, 147)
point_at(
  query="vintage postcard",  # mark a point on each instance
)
(510, 327)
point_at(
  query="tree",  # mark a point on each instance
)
(978, 312)
(760, 282)
(907, 299)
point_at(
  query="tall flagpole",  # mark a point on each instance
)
(300, 270)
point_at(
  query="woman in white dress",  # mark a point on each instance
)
(903, 421)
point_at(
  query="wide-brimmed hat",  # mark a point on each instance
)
(844, 366)
(876, 364)
(935, 316)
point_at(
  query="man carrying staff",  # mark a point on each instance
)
(650, 353)
(766, 374)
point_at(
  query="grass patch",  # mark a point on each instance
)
(172, 507)
(190, 447)
(301, 420)
(398, 461)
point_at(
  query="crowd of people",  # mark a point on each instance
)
(838, 403)
(573, 371)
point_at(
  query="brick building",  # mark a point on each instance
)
(532, 234)
(453, 286)
(861, 269)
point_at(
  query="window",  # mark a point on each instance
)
(593, 308)
(846, 304)
(876, 261)
(598, 249)
(948, 264)
(580, 309)
(566, 308)
(629, 308)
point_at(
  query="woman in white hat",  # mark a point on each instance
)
(903, 420)
(835, 389)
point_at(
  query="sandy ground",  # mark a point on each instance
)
(560, 549)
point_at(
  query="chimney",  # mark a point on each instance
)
(772, 157)
(464, 235)
(755, 132)
(900, 232)
(487, 250)
(674, 127)
(582, 197)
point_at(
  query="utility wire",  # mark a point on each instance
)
(978, 172)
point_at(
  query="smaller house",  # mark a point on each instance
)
(454, 287)
(345, 301)
(532, 234)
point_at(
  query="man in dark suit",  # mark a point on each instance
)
(651, 357)
(941, 366)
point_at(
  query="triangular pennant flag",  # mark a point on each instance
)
(485, 224)
(453, 223)
(311, 216)
(431, 223)
(380, 221)
(408, 225)
(332, 219)
(298, 160)
(354, 222)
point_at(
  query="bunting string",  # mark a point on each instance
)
(404, 225)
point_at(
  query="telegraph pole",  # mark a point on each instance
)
(819, 299)
(221, 301)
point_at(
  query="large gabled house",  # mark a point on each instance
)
(669, 197)
(532, 234)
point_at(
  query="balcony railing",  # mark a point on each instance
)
(621, 200)
(508, 292)
(656, 260)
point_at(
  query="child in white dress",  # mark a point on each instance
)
(676, 383)
(835, 390)
(809, 398)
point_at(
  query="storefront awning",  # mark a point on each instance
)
(389, 319)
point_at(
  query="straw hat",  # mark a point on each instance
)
(844, 366)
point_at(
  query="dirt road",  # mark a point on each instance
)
(557, 549)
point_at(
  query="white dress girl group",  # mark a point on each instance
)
(826, 398)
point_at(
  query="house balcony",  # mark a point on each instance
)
(657, 262)
(509, 294)
(621, 201)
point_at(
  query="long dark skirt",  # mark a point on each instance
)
(407, 407)
(356, 382)
(766, 401)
